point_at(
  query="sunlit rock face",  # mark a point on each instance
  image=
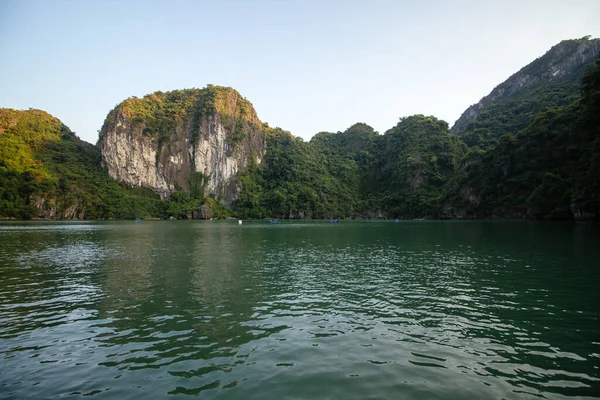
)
(171, 141)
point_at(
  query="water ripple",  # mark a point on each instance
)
(306, 310)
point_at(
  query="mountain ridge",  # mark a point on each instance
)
(531, 152)
(567, 59)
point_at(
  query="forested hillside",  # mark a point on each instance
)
(552, 80)
(529, 150)
(46, 171)
(532, 154)
(548, 169)
(316, 179)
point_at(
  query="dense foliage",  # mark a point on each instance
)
(418, 158)
(552, 80)
(546, 170)
(47, 171)
(513, 114)
(159, 113)
(356, 173)
(301, 180)
(534, 154)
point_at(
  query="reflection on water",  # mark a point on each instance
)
(300, 310)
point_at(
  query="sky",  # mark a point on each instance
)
(307, 66)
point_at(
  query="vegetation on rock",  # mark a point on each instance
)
(532, 153)
(46, 171)
(545, 170)
(159, 113)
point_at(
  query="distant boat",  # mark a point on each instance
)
(334, 221)
(138, 220)
(273, 221)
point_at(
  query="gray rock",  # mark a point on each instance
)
(165, 161)
(205, 212)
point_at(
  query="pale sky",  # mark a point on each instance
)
(307, 66)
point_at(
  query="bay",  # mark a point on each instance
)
(356, 310)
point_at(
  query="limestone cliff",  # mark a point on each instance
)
(183, 140)
(57, 207)
(564, 61)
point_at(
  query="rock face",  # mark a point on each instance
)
(205, 212)
(48, 207)
(566, 60)
(183, 140)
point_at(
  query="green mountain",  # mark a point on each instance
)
(553, 80)
(184, 140)
(415, 161)
(530, 149)
(546, 170)
(46, 171)
(529, 152)
(316, 179)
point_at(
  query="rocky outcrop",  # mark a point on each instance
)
(568, 59)
(205, 212)
(183, 140)
(51, 207)
(132, 157)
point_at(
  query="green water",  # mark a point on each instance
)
(359, 310)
